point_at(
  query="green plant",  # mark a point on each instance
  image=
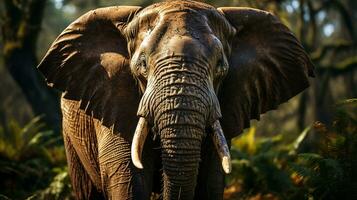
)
(260, 165)
(58, 189)
(331, 173)
(271, 168)
(27, 156)
(335, 167)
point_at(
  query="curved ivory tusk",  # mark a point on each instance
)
(137, 146)
(222, 148)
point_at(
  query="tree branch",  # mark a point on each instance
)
(335, 47)
(348, 65)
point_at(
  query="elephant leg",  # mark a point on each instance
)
(82, 184)
(211, 177)
(81, 149)
(120, 178)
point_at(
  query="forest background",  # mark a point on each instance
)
(305, 150)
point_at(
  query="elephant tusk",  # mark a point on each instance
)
(220, 143)
(137, 146)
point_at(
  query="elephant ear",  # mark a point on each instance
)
(89, 62)
(267, 66)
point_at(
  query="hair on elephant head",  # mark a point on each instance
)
(180, 70)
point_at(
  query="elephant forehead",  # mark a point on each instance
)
(182, 22)
(176, 10)
(179, 5)
(183, 45)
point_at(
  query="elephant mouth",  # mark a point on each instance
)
(142, 130)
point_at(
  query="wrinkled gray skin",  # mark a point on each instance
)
(177, 65)
(185, 57)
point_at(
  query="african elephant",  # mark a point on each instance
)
(152, 96)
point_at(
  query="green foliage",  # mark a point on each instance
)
(20, 143)
(58, 189)
(260, 164)
(32, 159)
(278, 168)
(339, 143)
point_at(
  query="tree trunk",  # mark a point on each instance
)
(20, 32)
(302, 111)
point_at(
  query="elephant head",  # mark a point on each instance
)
(183, 68)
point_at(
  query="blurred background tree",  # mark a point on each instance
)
(20, 28)
(326, 28)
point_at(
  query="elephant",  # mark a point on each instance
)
(151, 97)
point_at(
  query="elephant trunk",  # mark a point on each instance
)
(180, 103)
(184, 107)
(181, 133)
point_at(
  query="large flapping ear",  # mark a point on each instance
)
(89, 62)
(267, 66)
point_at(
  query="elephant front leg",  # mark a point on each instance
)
(120, 178)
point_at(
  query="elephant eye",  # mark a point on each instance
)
(222, 67)
(141, 64)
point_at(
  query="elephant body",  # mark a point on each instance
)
(152, 96)
(95, 155)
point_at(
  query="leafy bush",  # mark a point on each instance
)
(261, 165)
(58, 189)
(270, 168)
(31, 160)
(338, 150)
